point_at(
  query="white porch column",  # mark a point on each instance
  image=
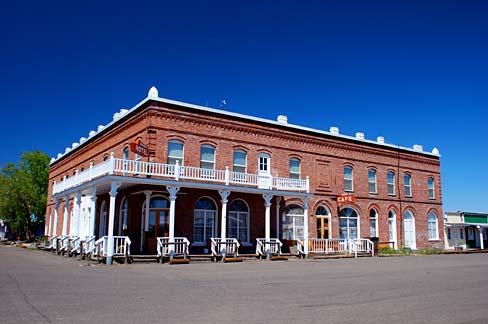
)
(224, 194)
(54, 228)
(76, 214)
(480, 230)
(267, 223)
(278, 199)
(111, 217)
(65, 215)
(93, 212)
(172, 204)
(305, 225)
(145, 220)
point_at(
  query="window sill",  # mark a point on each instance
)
(391, 195)
(434, 240)
(373, 193)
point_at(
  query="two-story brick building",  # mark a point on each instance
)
(171, 169)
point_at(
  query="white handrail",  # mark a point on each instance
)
(180, 245)
(75, 244)
(263, 245)
(301, 247)
(52, 242)
(328, 246)
(89, 244)
(121, 246)
(227, 246)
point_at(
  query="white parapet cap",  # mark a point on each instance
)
(153, 94)
(282, 119)
(360, 136)
(418, 147)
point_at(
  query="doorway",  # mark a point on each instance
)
(157, 223)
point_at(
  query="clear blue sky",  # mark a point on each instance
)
(415, 72)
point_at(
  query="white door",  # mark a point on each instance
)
(409, 229)
(264, 171)
(392, 228)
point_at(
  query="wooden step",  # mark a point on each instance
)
(179, 261)
(279, 258)
(232, 259)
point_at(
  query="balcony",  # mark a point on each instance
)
(176, 172)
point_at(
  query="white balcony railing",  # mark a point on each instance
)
(337, 246)
(177, 172)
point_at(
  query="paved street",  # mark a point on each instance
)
(38, 287)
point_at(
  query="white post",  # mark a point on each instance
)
(308, 184)
(227, 176)
(172, 204)
(111, 166)
(111, 218)
(54, 228)
(305, 225)
(224, 194)
(76, 214)
(278, 199)
(177, 171)
(65, 215)
(145, 219)
(267, 223)
(482, 244)
(93, 211)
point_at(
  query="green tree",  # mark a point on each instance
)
(23, 192)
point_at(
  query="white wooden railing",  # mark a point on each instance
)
(74, 245)
(52, 242)
(273, 245)
(335, 246)
(121, 247)
(177, 172)
(176, 246)
(63, 243)
(224, 247)
(89, 245)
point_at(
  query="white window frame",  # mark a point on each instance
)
(289, 222)
(432, 227)
(261, 163)
(431, 188)
(296, 175)
(375, 220)
(347, 180)
(237, 166)
(123, 215)
(103, 220)
(204, 164)
(391, 184)
(205, 227)
(235, 215)
(408, 193)
(348, 228)
(173, 159)
(372, 183)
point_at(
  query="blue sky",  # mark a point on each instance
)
(415, 72)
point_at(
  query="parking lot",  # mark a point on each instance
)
(39, 287)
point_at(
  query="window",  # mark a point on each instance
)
(293, 223)
(205, 219)
(431, 188)
(126, 153)
(392, 227)
(294, 168)
(373, 223)
(409, 230)
(470, 234)
(240, 161)
(124, 210)
(207, 157)
(391, 183)
(126, 157)
(239, 221)
(407, 181)
(323, 219)
(348, 178)
(432, 227)
(448, 233)
(461, 233)
(348, 224)
(263, 164)
(103, 220)
(175, 152)
(372, 181)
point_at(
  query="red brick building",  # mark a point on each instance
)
(203, 173)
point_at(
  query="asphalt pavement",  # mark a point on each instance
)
(38, 287)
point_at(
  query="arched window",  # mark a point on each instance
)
(103, 220)
(205, 214)
(322, 215)
(207, 157)
(407, 182)
(372, 181)
(293, 223)
(294, 168)
(430, 184)
(175, 152)
(373, 223)
(391, 183)
(432, 227)
(239, 221)
(348, 178)
(348, 224)
(123, 216)
(240, 161)
(409, 229)
(392, 228)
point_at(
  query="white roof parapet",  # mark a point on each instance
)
(380, 139)
(360, 136)
(66, 150)
(92, 133)
(334, 130)
(59, 155)
(100, 128)
(82, 140)
(418, 147)
(435, 151)
(153, 93)
(282, 119)
(74, 145)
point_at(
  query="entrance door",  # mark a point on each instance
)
(158, 226)
(323, 227)
(264, 171)
(409, 226)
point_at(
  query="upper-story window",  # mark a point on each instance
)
(175, 152)
(372, 181)
(348, 178)
(431, 188)
(207, 157)
(240, 161)
(126, 153)
(294, 168)
(263, 164)
(407, 182)
(391, 183)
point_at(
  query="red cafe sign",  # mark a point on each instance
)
(139, 148)
(345, 198)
